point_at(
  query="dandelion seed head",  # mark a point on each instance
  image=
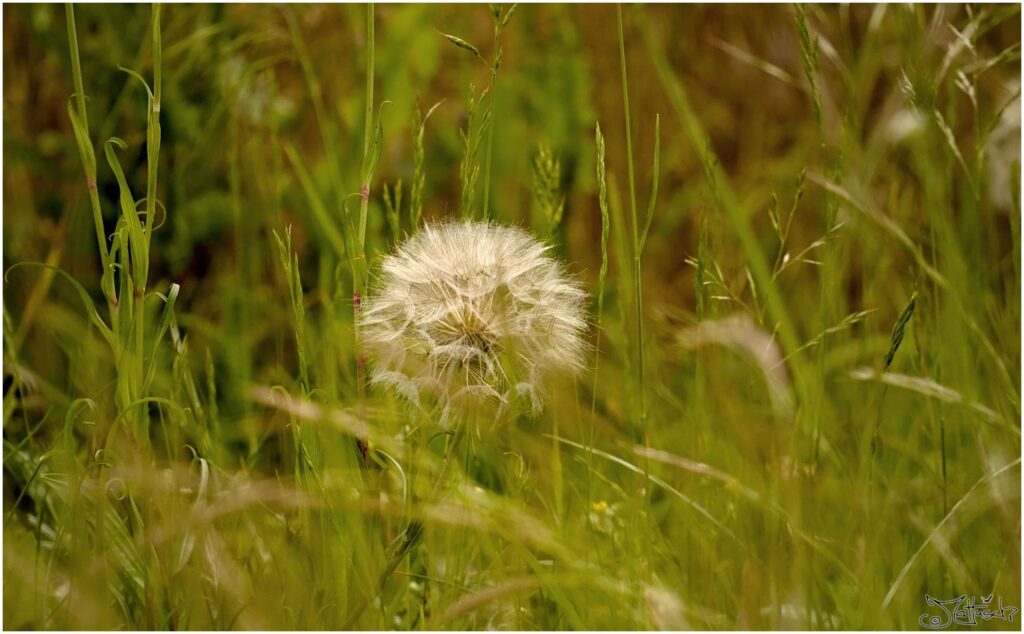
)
(469, 311)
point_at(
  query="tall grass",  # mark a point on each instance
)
(813, 425)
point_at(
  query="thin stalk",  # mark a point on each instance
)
(152, 165)
(602, 274)
(640, 432)
(637, 289)
(153, 131)
(896, 340)
(936, 421)
(138, 306)
(364, 202)
(89, 161)
(942, 440)
(873, 450)
(495, 60)
(76, 65)
(368, 123)
(367, 134)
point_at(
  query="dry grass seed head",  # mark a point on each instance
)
(470, 311)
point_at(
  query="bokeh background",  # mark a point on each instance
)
(874, 151)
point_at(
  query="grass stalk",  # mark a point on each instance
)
(499, 25)
(492, 86)
(80, 122)
(419, 173)
(898, 330)
(369, 149)
(368, 111)
(602, 184)
(153, 136)
(602, 274)
(637, 285)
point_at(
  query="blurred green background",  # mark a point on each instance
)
(873, 151)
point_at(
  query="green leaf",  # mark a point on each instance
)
(84, 145)
(165, 323)
(141, 79)
(136, 237)
(655, 176)
(373, 156)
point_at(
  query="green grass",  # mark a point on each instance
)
(803, 402)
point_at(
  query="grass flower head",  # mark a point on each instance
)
(469, 311)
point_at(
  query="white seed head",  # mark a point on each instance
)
(467, 311)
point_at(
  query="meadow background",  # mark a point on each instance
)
(814, 423)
